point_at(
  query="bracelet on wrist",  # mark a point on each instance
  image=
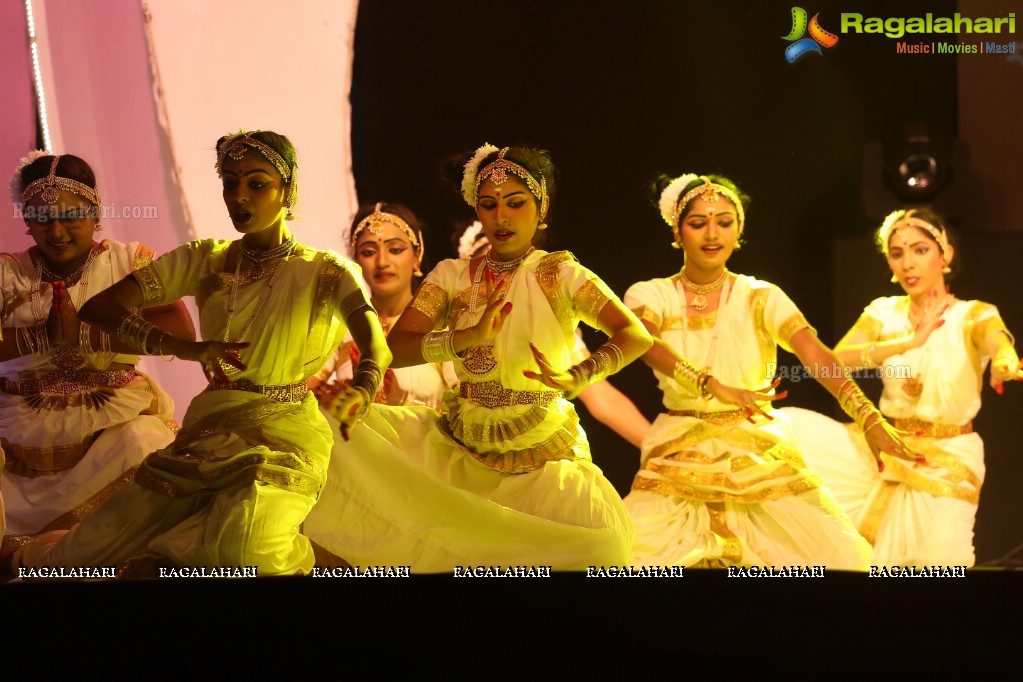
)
(438, 346)
(691, 379)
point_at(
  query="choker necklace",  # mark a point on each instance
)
(258, 258)
(699, 301)
(499, 266)
(70, 279)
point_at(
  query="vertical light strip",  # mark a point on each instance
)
(37, 77)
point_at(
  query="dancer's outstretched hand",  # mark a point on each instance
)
(551, 377)
(348, 407)
(496, 313)
(745, 399)
(882, 437)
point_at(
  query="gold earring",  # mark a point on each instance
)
(542, 226)
(895, 280)
(99, 228)
(946, 270)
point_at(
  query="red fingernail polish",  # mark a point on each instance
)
(1000, 389)
(880, 467)
(921, 460)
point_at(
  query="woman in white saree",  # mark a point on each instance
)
(232, 490)
(722, 482)
(76, 416)
(932, 349)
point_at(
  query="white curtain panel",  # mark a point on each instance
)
(267, 65)
(142, 89)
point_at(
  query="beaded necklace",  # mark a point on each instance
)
(499, 268)
(258, 258)
(263, 297)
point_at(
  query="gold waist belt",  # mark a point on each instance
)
(68, 382)
(919, 427)
(493, 394)
(31, 462)
(282, 393)
(719, 417)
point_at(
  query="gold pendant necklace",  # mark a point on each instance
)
(699, 301)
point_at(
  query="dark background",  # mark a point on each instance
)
(619, 93)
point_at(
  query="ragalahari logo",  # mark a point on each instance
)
(818, 36)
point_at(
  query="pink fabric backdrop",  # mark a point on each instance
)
(105, 107)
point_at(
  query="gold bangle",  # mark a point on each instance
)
(438, 346)
(159, 347)
(690, 378)
(855, 404)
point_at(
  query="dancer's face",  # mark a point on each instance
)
(710, 232)
(387, 259)
(916, 260)
(254, 193)
(510, 217)
(62, 229)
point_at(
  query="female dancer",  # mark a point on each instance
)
(932, 349)
(387, 243)
(76, 418)
(606, 403)
(504, 476)
(721, 482)
(250, 459)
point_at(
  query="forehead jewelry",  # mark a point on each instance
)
(374, 223)
(498, 171)
(710, 192)
(898, 221)
(48, 187)
(236, 148)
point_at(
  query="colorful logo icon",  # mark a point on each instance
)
(818, 36)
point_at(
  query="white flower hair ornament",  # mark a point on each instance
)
(472, 240)
(670, 195)
(472, 167)
(884, 233)
(900, 219)
(14, 186)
